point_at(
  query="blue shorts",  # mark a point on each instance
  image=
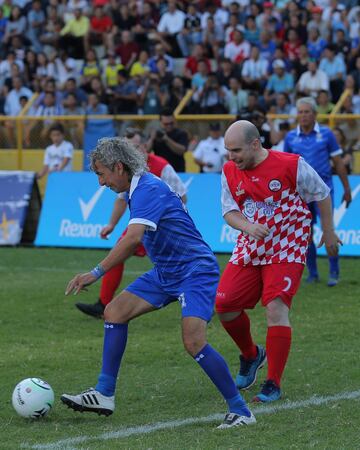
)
(195, 293)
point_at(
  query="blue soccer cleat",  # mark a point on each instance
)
(311, 279)
(249, 368)
(333, 280)
(270, 392)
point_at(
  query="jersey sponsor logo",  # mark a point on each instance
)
(254, 179)
(275, 185)
(266, 208)
(319, 137)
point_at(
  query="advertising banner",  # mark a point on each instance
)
(76, 208)
(15, 194)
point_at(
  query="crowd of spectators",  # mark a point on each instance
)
(239, 57)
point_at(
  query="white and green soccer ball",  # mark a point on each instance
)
(33, 398)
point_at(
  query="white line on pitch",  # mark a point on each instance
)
(144, 429)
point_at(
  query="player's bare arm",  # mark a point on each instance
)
(238, 221)
(341, 171)
(120, 253)
(329, 237)
(118, 211)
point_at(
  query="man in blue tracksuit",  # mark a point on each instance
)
(317, 145)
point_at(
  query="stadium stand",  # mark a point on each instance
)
(114, 48)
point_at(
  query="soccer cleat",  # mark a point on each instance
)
(90, 401)
(270, 392)
(312, 279)
(333, 280)
(95, 310)
(236, 420)
(249, 368)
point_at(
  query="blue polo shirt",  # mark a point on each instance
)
(317, 148)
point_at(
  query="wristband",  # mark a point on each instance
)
(98, 271)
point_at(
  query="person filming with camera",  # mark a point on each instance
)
(169, 142)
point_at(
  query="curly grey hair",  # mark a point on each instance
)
(110, 151)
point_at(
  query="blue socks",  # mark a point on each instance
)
(334, 265)
(312, 265)
(311, 260)
(217, 370)
(115, 339)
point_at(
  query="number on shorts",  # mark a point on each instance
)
(288, 284)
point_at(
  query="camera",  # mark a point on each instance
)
(159, 134)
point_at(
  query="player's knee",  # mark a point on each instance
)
(277, 313)
(114, 315)
(193, 344)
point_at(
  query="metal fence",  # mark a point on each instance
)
(24, 132)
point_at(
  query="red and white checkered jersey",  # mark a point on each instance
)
(274, 193)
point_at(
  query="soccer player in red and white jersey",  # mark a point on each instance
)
(264, 196)
(112, 279)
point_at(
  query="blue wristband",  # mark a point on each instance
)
(98, 271)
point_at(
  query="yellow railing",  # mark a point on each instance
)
(196, 125)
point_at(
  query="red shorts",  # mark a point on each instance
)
(140, 249)
(241, 287)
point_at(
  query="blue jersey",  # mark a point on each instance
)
(316, 148)
(171, 239)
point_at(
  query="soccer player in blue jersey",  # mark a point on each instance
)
(185, 269)
(317, 145)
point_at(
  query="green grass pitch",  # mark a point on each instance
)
(43, 335)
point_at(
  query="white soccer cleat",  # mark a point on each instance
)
(90, 401)
(235, 420)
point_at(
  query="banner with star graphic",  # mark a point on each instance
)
(16, 194)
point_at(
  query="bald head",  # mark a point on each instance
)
(242, 131)
(242, 140)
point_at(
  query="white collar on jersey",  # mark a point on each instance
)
(133, 185)
(316, 128)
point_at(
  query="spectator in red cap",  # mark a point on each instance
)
(316, 22)
(269, 12)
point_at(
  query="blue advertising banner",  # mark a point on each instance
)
(15, 195)
(75, 209)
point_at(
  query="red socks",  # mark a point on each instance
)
(110, 282)
(239, 330)
(278, 342)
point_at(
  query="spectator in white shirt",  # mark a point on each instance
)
(6, 64)
(49, 108)
(210, 153)
(238, 49)
(255, 71)
(220, 15)
(171, 23)
(65, 68)
(12, 106)
(59, 155)
(313, 81)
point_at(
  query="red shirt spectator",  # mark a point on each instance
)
(100, 22)
(128, 50)
(192, 63)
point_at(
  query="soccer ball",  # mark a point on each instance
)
(33, 398)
